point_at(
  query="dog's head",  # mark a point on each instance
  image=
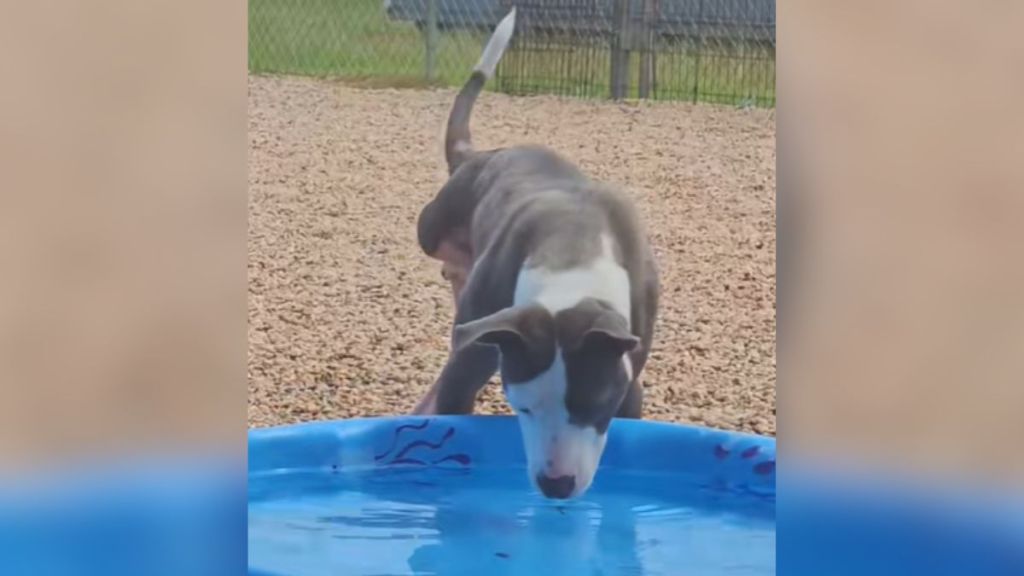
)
(565, 375)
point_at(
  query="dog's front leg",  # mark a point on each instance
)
(466, 372)
(633, 404)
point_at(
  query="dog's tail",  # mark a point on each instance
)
(457, 142)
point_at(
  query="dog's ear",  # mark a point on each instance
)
(525, 335)
(593, 327)
(614, 341)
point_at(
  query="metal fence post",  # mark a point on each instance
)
(620, 50)
(431, 36)
(647, 55)
(700, 49)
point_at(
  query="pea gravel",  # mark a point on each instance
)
(348, 318)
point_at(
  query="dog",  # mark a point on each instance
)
(555, 285)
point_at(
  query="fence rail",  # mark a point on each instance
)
(711, 50)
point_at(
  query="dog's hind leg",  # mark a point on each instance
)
(456, 275)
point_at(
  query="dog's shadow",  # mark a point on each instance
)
(545, 538)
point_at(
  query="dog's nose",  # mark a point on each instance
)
(560, 487)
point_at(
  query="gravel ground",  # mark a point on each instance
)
(348, 318)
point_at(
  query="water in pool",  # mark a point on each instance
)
(491, 522)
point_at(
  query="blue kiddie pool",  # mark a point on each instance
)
(450, 496)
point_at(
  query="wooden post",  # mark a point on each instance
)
(620, 50)
(431, 36)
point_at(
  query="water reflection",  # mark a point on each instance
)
(491, 522)
(532, 539)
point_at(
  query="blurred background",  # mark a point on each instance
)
(123, 141)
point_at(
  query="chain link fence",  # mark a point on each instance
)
(720, 51)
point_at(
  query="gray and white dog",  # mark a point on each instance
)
(555, 283)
